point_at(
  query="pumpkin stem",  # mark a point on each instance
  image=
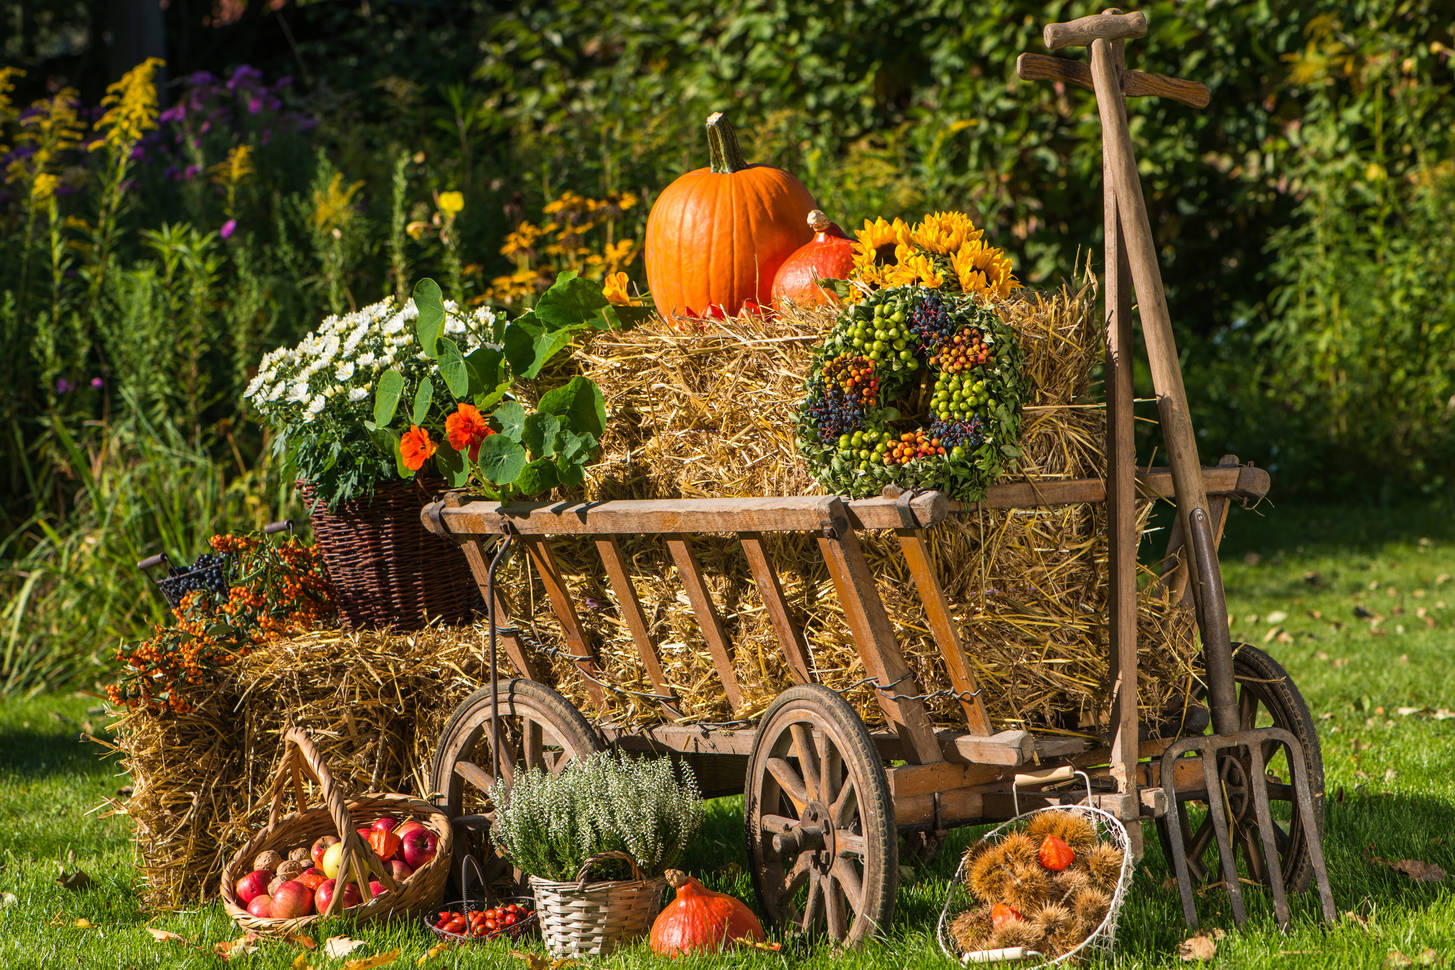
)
(818, 222)
(725, 155)
(676, 878)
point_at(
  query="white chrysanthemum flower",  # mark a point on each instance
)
(345, 370)
(395, 325)
(366, 359)
(315, 406)
(298, 392)
(357, 394)
(454, 325)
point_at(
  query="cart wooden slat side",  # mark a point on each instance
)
(835, 520)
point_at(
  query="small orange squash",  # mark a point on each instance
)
(829, 255)
(716, 236)
(700, 920)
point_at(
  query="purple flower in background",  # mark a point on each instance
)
(64, 386)
(245, 74)
(255, 104)
(191, 172)
(97, 383)
(228, 228)
(175, 113)
(200, 78)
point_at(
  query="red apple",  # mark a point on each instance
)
(313, 878)
(385, 823)
(419, 847)
(292, 899)
(261, 907)
(253, 885)
(324, 895)
(376, 887)
(407, 827)
(400, 870)
(320, 846)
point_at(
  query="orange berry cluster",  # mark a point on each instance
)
(855, 375)
(280, 592)
(912, 445)
(964, 350)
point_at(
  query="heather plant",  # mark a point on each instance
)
(550, 824)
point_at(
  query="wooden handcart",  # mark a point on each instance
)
(826, 799)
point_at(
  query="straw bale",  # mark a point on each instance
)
(709, 412)
(374, 702)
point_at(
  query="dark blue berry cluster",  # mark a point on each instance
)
(209, 572)
(966, 434)
(930, 321)
(834, 411)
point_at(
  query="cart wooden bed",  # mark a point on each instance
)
(827, 800)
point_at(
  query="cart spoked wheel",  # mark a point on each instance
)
(1266, 698)
(538, 728)
(822, 844)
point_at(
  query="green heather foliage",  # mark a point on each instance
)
(551, 824)
(1303, 218)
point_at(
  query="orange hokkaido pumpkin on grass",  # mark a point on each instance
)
(716, 236)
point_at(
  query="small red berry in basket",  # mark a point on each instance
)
(1000, 914)
(1055, 854)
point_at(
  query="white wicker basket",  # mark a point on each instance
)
(1108, 828)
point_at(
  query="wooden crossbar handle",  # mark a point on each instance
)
(1042, 67)
(1100, 26)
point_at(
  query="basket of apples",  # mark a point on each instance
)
(373, 855)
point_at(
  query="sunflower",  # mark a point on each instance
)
(943, 233)
(984, 271)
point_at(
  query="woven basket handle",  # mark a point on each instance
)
(602, 857)
(358, 861)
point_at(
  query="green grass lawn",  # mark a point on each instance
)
(1391, 784)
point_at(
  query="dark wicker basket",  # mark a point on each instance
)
(386, 568)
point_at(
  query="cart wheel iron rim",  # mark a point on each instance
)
(538, 728)
(1109, 828)
(819, 821)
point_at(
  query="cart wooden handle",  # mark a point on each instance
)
(1175, 419)
(1101, 26)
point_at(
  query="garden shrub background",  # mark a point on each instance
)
(1303, 218)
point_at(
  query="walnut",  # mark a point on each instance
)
(267, 859)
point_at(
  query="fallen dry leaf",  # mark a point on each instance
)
(1416, 869)
(73, 880)
(1197, 949)
(534, 962)
(340, 946)
(83, 923)
(1276, 617)
(1396, 959)
(232, 949)
(369, 963)
(301, 939)
(7, 898)
(431, 953)
(166, 936)
(300, 962)
(1428, 957)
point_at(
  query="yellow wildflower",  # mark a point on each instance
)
(522, 239)
(417, 228)
(52, 129)
(618, 253)
(7, 84)
(131, 105)
(44, 187)
(625, 201)
(615, 289)
(332, 206)
(452, 203)
(235, 167)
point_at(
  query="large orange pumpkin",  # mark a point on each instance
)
(716, 236)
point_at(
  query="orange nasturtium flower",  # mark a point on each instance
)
(615, 289)
(467, 428)
(416, 447)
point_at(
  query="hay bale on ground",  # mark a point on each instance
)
(710, 413)
(374, 702)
